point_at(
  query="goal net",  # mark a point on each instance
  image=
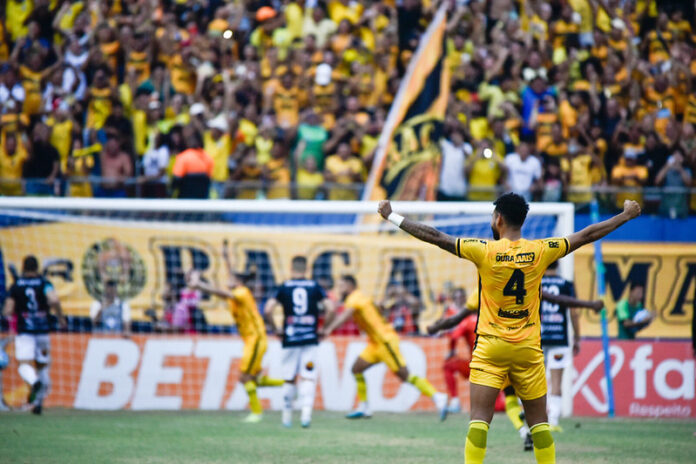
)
(182, 350)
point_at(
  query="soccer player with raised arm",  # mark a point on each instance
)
(301, 299)
(31, 299)
(509, 334)
(242, 307)
(551, 300)
(382, 346)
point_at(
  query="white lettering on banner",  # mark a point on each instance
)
(220, 354)
(95, 371)
(338, 388)
(648, 410)
(685, 369)
(641, 364)
(579, 385)
(152, 372)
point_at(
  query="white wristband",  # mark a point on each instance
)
(395, 219)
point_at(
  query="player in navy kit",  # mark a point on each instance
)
(301, 299)
(31, 298)
(555, 336)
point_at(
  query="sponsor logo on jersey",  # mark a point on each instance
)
(524, 258)
(553, 244)
(513, 314)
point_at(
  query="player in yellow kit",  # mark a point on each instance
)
(242, 307)
(382, 346)
(508, 333)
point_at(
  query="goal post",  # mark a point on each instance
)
(145, 247)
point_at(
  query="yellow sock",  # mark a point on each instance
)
(254, 403)
(362, 387)
(475, 448)
(422, 384)
(513, 411)
(544, 448)
(267, 381)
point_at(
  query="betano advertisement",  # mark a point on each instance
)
(652, 377)
(201, 372)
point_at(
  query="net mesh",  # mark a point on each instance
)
(184, 350)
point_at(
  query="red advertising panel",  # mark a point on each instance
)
(651, 379)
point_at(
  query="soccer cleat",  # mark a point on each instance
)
(454, 406)
(440, 400)
(556, 428)
(287, 418)
(306, 417)
(33, 393)
(252, 418)
(357, 414)
(528, 443)
(38, 409)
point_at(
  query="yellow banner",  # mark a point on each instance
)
(144, 260)
(668, 272)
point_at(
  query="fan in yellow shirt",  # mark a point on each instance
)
(242, 307)
(12, 157)
(217, 143)
(343, 169)
(309, 180)
(382, 346)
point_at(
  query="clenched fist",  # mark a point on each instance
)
(384, 208)
(631, 208)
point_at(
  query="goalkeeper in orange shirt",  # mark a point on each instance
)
(242, 307)
(382, 346)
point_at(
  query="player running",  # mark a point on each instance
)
(301, 299)
(382, 346)
(242, 307)
(508, 333)
(31, 299)
(555, 337)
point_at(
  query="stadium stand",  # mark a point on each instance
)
(288, 98)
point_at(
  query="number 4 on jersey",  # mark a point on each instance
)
(515, 286)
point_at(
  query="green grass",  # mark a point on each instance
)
(63, 436)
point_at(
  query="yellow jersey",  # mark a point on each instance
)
(368, 317)
(219, 150)
(11, 169)
(243, 309)
(510, 283)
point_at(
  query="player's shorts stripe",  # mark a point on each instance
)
(393, 355)
(253, 356)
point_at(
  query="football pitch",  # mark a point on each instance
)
(61, 436)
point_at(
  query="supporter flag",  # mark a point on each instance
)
(407, 162)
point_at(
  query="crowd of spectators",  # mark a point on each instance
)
(286, 99)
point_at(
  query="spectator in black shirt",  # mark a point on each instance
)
(655, 156)
(42, 167)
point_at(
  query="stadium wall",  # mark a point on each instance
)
(201, 372)
(651, 378)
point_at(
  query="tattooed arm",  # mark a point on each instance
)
(421, 231)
